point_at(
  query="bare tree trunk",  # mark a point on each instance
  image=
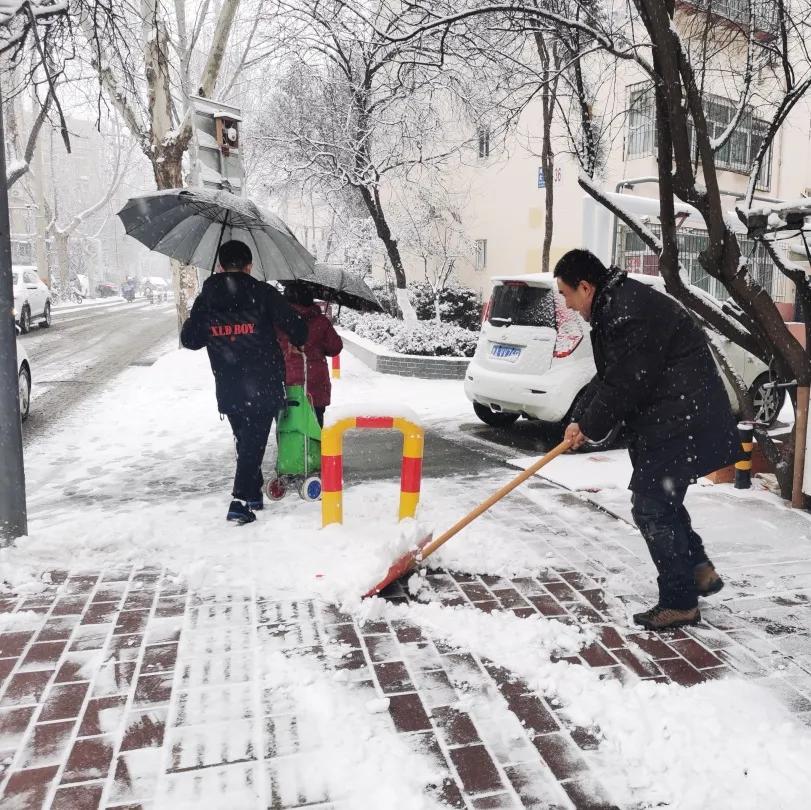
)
(436, 289)
(373, 206)
(62, 258)
(677, 95)
(548, 101)
(163, 146)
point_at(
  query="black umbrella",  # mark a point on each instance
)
(330, 282)
(189, 224)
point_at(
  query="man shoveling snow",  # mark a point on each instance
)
(654, 372)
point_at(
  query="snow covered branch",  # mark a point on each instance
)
(22, 167)
(119, 171)
(211, 70)
(447, 21)
(704, 306)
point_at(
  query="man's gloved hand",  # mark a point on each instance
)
(576, 436)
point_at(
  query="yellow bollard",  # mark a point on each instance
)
(332, 481)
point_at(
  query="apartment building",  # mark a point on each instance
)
(505, 214)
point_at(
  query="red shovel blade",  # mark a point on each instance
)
(401, 566)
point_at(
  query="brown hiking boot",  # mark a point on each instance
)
(662, 618)
(707, 580)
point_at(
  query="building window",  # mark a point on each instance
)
(484, 143)
(736, 155)
(641, 122)
(481, 254)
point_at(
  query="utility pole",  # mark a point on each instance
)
(13, 517)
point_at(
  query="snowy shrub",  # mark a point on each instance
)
(384, 294)
(428, 338)
(459, 305)
(348, 318)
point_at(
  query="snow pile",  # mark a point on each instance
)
(425, 338)
(533, 639)
(721, 744)
(292, 556)
(370, 408)
(21, 620)
(146, 481)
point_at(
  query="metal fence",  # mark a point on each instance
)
(635, 257)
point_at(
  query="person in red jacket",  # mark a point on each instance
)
(322, 342)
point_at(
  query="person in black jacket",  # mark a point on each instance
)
(235, 318)
(656, 374)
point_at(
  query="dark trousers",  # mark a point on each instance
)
(319, 415)
(674, 547)
(251, 431)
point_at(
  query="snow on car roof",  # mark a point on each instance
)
(548, 280)
(533, 279)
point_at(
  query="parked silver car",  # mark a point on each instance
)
(32, 298)
(23, 381)
(534, 357)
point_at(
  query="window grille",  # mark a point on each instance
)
(736, 155)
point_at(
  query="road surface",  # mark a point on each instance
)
(86, 347)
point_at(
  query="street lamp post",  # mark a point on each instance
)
(13, 518)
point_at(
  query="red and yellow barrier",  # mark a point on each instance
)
(336, 366)
(332, 464)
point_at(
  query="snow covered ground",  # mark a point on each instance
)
(146, 481)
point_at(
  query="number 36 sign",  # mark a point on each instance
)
(557, 174)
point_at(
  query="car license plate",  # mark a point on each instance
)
(501, 351)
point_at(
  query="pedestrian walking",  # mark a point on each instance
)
(322, 342)
(656, 374)
(235, 318)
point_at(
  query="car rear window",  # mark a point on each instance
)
(522, 305)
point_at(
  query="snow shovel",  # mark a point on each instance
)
(427, 546)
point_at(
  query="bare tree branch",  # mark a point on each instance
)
(22, 169)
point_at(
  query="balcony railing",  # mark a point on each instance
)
(738, 12)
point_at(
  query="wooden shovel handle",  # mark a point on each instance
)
(519, 479)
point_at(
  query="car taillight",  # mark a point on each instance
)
(486, 309)
(566, 344)
(569, 331)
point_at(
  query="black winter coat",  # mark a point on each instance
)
(656, 373)
(235, 318)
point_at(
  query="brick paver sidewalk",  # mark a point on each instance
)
(121, 689)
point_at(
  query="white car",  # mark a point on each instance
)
(23, 381)
(534, 357)
(32, 298)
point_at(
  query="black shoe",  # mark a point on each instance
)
(256, 506)
(240, 513)
(707, 580)
(664, 618)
